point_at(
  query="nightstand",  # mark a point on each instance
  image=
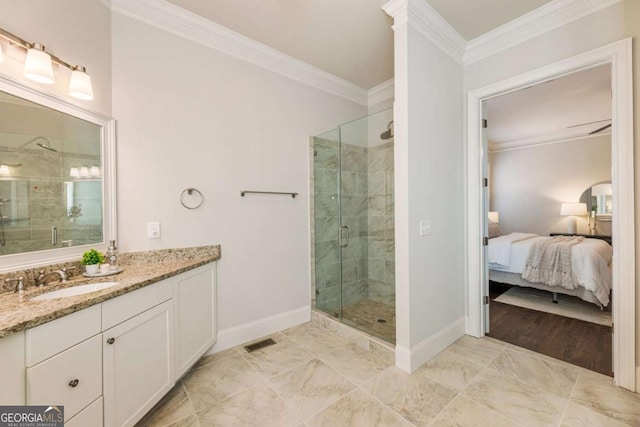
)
(590, 236)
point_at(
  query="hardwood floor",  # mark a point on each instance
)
(581, 343)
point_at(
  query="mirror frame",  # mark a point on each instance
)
(26, 260)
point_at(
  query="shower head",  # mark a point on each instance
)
(387, 134)
(46, 146)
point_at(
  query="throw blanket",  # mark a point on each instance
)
(549, 262)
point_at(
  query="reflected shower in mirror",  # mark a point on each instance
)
(51, 190)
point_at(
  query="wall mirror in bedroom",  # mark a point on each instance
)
(589, 142)
(599, 200)
(56, 178)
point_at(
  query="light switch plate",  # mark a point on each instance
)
(153, 230)
(425, 227)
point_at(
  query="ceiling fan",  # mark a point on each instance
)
(600, 129)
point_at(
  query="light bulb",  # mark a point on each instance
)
(80, 84)
(38, 66)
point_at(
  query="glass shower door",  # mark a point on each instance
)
(328, 266)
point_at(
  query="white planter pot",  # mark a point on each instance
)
(92, 269)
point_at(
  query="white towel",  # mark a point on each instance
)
(500, 248)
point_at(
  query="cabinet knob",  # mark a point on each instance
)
(111, 340)
(74, 383)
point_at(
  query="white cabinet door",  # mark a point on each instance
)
(12, 374)
(194, 298)
(138, 365)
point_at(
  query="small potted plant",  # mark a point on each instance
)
(91, 260)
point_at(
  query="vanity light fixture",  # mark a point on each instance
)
(85, 172)
(39, 67)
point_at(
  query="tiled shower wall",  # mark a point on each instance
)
(36, 202)
(367, 209)
(381, 253)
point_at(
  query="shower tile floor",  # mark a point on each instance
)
(373, 317)
(314, 377)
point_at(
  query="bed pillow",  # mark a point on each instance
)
(494, 229)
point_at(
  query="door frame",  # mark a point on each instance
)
(619, 55)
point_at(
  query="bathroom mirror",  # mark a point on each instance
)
(56, 178)
(599, 199)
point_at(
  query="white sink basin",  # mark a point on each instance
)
(75, 290)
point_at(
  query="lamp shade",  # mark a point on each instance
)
(577, 209)
(80, 84)
(38, 66)
(602, 190)
(4, 170)
(494, 217)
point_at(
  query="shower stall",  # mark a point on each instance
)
(352, 207)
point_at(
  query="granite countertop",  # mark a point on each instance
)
(18, 312)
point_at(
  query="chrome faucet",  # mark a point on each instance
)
(62, 274)
(19, 283)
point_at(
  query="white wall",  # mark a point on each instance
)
(189, 116)
(527, 185)
(428, 163)
(606, 26)
(77, 31)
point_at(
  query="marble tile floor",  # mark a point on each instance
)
(315, 377)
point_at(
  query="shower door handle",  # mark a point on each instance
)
(344, 242)
(54, 235)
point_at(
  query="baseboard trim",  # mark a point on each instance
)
(411, 359)
(240, 334)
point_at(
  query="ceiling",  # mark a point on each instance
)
(566, 107)
(351, 39)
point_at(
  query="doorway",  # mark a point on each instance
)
(619, 56)
(549, 147)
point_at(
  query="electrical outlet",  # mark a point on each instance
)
(153, 230)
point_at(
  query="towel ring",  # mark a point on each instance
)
(197, 197)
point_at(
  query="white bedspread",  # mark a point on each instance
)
(590, 261)
(500, 249)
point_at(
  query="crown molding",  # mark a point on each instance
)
(554, 138)
(424, 18)
(173, 19)
(539, 21)
(380, 93)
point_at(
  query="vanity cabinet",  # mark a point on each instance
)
(138, 365)
(110, 363)
(194, 301)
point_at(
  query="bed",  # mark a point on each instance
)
(590, 266)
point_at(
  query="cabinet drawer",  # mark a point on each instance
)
(52, 381)
(53, 337)
(91, 416)
(126, 306)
